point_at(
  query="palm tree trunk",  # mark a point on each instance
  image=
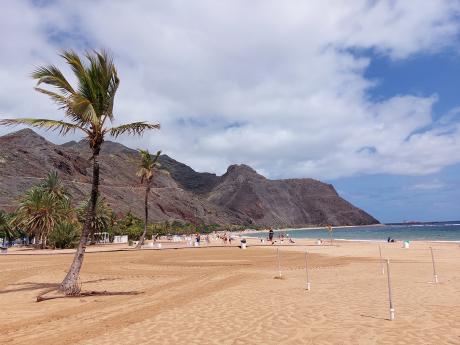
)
(70, 283)
(93, 240)
(146, 215)
(41, 241)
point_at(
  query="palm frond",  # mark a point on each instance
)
(81, 110)
(157, 156)
(111, 91)
(61, 100)
(105, 81)
(61, 126)
(137, 128)
(51, 75)
(73, 60)
(110, 81)
(85, 83)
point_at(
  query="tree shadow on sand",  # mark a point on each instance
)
(56, 295)
(30, 286)
(52, 292)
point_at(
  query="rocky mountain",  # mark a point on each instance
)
(241, 196)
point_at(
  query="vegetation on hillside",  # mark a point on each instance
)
(47, 214)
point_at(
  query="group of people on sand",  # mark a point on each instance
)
(226, 239)
(281, 237)
(198, 239)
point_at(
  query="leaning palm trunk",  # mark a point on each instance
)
(70, 283)
(146, 216)
(89, 106)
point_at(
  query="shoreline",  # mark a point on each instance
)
(251, 231)
(252, 242)
(371, 233)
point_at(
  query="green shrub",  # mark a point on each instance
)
(64, 235)
(128, 225)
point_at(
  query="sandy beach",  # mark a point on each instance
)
(221, 295)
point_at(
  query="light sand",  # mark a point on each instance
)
(230, 296)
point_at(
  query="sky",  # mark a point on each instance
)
(361, 94)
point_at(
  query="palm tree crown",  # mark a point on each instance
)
(54, 186)
(89, 106)
(148, 164)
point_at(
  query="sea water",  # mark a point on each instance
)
(448, 231)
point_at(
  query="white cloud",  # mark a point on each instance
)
(434, 184)
(269, 83)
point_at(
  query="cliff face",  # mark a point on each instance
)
(240, 196)
(284, 203)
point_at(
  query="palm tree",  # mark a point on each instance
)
(145, 172)
(89, 107)
(102, 217)
(64, 235)
(39, 212)
(6, 228)
(54, 187)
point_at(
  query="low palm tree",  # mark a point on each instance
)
(102, 217)
(6, 227)
(39, 212)
(64, 235)
(146, 172)
(89, 107)
(54, 186)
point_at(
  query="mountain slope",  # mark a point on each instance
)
(291, 202)
(26, 158)
(240, 196)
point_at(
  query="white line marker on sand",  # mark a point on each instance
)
(435, 276)
(392, 309)
(306, 270)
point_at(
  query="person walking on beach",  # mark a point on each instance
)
(270, 236)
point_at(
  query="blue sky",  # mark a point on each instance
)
(421, 74)
(395, 198)
(361, 94)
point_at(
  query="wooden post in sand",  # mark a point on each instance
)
(381, 260)
(306, 270)
(392, 309)
(279, 264)
(435, 276)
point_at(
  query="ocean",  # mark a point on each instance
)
(446, 231)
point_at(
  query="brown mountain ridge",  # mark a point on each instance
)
(241, 196)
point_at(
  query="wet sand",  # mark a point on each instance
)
(229, 296)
